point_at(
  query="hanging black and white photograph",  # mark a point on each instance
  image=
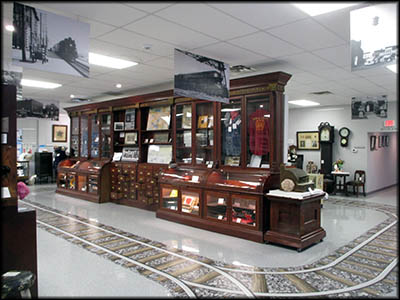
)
(373, 36)
(200, 77)
(38, 109)
(13, 78)
(49, 42)
(365, 107)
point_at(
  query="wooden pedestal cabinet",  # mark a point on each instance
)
(295, 222)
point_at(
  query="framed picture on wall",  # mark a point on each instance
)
(59, 133)
(307, 140)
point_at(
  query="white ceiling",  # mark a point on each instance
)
(266, 36)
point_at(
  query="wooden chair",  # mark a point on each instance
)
(359, 181)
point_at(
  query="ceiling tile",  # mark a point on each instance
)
(164, 62)
(262, 15)
(150, 7)
(206, 19)
(231, 54)
(308, 62)
(339, 56)
(337, 22)
(170, 33)
(104, 48)
(335, 74)
(110, 13)
(307, 34)
(136, 41)
(306, 78)
(266, 44)
(97, 28)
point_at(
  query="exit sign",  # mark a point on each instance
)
(389, 123)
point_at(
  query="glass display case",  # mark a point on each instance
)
(184, 133)
(84, 136)
(105, 126)
(204, 138)
(231, 133)
(216, 206)
(74, 137)
(95, 137)
(258, 131)
(87, 179)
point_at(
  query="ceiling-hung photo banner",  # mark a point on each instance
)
(49, 42)
(14, 77)
(365, 107)
(373, 36)
(200, 77)
(38, 109)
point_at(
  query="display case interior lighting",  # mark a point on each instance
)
(109, 62)
(315, 9)
(392, 68)
(10, 27)
(304, 103)
(40, 84)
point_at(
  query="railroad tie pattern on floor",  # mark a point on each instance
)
(366, 266)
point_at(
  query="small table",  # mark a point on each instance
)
(338, 186)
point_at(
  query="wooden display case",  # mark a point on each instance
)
(87, 179)
(229, 202)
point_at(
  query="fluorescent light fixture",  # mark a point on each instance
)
(314, 9)
(10, 28)
(39, 84)
(109, 62)
(118, 85)
(392, 68)
(304, 102)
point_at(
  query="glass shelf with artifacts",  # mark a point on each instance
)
(95, 136)
(84, 134)
(204, 136)
(126, 133)
(258, 131)
(184, 133)
(105, 134)
(74, 136)
(216, 206)
(231, 133)
(86, 179)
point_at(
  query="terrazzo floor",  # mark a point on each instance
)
(67, 270)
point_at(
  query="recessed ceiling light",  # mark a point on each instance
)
(118, 85)
(71, 96)
(318, 9)
(392, 68)
(10, 28)
(109, 62)
(304, 102)
(39, 84)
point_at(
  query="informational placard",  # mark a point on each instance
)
(200, 77)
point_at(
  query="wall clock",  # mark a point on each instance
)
(344, 133)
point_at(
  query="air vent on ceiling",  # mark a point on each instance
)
(80, 100)
(111, 93)
(241, 69)
(321, 93)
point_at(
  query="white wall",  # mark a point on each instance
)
(308, 119)
(382, 163)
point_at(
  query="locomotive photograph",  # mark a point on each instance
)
(49, 42)
(200, 77)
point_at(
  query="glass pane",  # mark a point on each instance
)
(75, 125)
(231, 139)
(244, 211)
(190, 202)
(62, 180)
(169, 198)
(258, 131)
(204, 133)
(71, 181)
(216, 207)
(105, 135)
(93, 184)
(84, 136)
(74, 145)
(184, 116)
(94, 148)
(82, 183)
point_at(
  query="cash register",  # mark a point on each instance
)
(294, 179)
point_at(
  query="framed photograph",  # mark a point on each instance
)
(202, 122)
(307, 140)
(60, 133)
(372, 142)
(161, 137)
(118, 126)
(130, 154)
(130, 137)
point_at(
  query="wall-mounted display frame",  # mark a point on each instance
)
(372, 142)
(130, 137)
(119, 126)
(307, 140)
(59, 133)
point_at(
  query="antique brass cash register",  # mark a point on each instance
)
(294, 180)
